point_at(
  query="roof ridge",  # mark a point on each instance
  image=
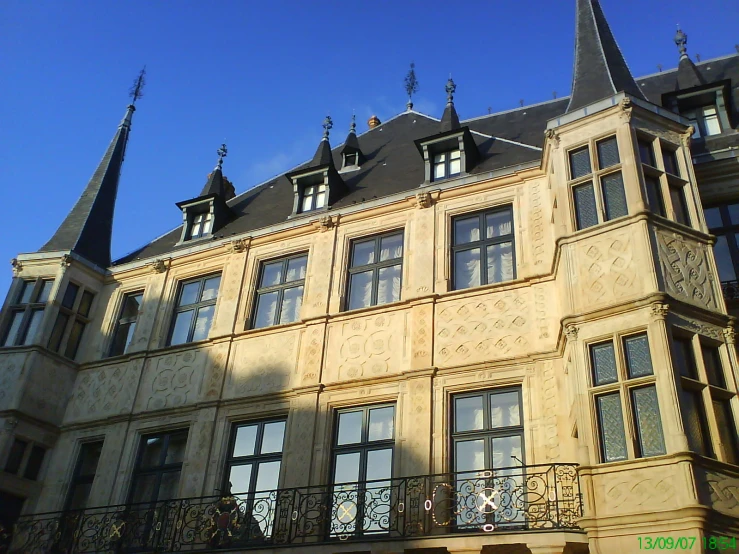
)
(703, 62)
(507, 140)
(514, 109)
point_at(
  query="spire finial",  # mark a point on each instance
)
(327, 125)
(353, 126)
(411, 85)
(136, 91)
(222, 153)
(681, 39)
(450, 89)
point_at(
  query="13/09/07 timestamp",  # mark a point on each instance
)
(687, 543)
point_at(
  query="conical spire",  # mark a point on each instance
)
(323, 153)
(450, 119)
(351, 139)
(216, 183)
(600, 68)
(87, 230)
(687, 73)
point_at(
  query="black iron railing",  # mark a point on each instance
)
(543, 497)
(730, 289)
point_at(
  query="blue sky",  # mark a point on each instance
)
(262, 76)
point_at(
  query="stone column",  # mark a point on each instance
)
(199, 446)
(420, 247)
(297, 457)
(416, 424)
(232, 281)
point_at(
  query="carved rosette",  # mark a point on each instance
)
(423, 200)
(158, 266)
(659, 310)
(571, 332)
(17, 267)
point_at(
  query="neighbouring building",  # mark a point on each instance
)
(505, 334)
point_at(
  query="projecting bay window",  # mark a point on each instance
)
(375, 270)
(195, 306)
(27, 312)
(723, 221)
(624, 395)
(706, 397)
(597, 194)
(483, 248)
(280, 291)
(126, 325)
(71, 321)
(666, 190)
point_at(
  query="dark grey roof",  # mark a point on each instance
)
(450, 119)
(323, 154)
(351, 144)
(600, 68)
(687, 74)
(215, 184)
(87, 229)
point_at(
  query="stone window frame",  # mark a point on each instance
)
(594, 177)
(374, 267)
(708, 392)
(280, 288)
(624, 387)
(27, 309)
(120, 306)
(179, 284)
(70, 315)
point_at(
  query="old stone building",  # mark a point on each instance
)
(506, 334)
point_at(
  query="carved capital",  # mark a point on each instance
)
(237, 246)
(687, 136)
(626, 109)
(66, 260)
(159, 266)
(729, 334)
(17, 266)
(571, 331)
(659, 310)
(553, 136)
(423, 200)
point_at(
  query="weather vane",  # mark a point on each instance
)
(222, 153)
(136, 91)
(411, 85)
(681, 39)
(327, 125)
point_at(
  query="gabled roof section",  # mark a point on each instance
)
(88, 228)
(600, 69)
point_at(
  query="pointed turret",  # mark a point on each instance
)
(450, 119)
(687, 73)
(600, 68)
(217, 183)
(88, 228)
(323, 153)
(352, 153)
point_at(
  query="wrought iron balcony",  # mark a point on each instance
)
(730, 289)
(530, 498)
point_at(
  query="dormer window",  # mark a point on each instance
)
(447, 164)
(704, 120)
(314, 197)
(350, 159)
(201, 225)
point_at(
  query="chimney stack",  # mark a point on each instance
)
(373, 122)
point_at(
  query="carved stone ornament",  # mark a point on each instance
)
(730, 335)
(553, 136)
(626, 109)
(158, 266)
(687, 136)
(325, 223)
(66, 260)
(11, 423)
(237, 246)
(571, 332)
(17, 266)
(423, 200)
(660, 310)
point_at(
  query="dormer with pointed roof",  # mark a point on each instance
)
(351, 155)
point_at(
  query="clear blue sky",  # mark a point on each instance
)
(262, 75)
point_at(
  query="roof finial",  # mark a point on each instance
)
(136, 91)
(411, 85)
(353, 126)
(222, 153)
(450, 89)
(681, 39)
(327, 125)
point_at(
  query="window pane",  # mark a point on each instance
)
(500, 262)
(274, 434)
(468, 413)
(202, 324)
(726, 271)
(714, 371)
(70, 295)
(347, 468)
(292, 300)
(734, 213)
(638, 360)
(15, 325)
(727, 430)
(467, 269)
(169, 486)
(379, 464)
(181, 327)
(614, 195)
(58, 332)
(391, 247)
(144, 489)
(307, 202)
(210, 290)
(240, 478)
(79, 496)
(266, 309)
(360, 290)
(504, 409)
(131, 306)
(696, 427)
(608, 153)
(26, 291)
(89, 457)
(648, 421)
(712, 125)
(33, 466)
(585, 210)
(439, 170)
(320, 200)
(455, 155)
(43, 295)
(176, 448)
(504, 449)
(122, 338)
(189, 294)
(470, 455)
(15, 457)
(75, 336)
(246, 439)
(646, 154)
(33, 325)
(466, 230)
(350, 428)
(388, 285)
(498, 224)
(580, 162)
(604, 363)
(363, 253)
(670, 159)
(684, 359)
(271, 274)
(613, 438)
(381, 423)
(296, 269)
(207, 224)
(151, 455)
(654, 196)
(713, 218)
(268, 476)
(85, 303)
(679, 204)
(455, 166)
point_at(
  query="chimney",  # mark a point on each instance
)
(373, 122)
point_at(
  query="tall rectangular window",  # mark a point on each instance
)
(362, 470)
(624, 391)
(195, 306)
(447, 164)
(26, 312)
(375, 270)
(73, 317)
(314, 198)
(280, 291)
(665, 188)
(126, 324)
(723, 221)
(158, 467)
(84, 475)
(200, 225)
(483, 248)
(253, 472)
